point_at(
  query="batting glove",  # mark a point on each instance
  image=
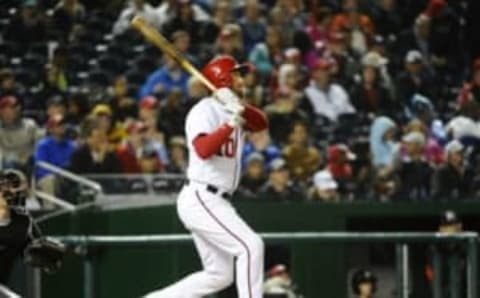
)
(226, 96)
(236, 120)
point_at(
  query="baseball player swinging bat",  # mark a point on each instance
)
(215, 130)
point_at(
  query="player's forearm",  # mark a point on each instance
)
(255, 119)
(209, 144)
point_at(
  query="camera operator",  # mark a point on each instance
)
(15, 223)
(19, 235)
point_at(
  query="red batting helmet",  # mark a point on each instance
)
(219, 69)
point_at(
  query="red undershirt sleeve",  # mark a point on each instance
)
(255, 119)
(207, 145)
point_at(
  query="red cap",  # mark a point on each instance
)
(8, 101)
(55, 121)
(148, 102)
(335, 152)
(277, 270)
(322, 64)
(136, 126)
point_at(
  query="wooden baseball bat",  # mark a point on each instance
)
(153, 36)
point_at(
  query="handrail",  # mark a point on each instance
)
(98, 240)
(53, 199)
(402, 239)
(67, 174)
(129, 176)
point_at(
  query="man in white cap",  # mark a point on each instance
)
(413, 170)
(414, 79)
(324, 187)
(453, 180)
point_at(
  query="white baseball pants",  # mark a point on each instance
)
(220, 236)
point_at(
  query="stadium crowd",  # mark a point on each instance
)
(366, 99)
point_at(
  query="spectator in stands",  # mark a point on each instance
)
(433, 151)
(324, 187)
(8, 85)
(339, 164)
(413, 170)
(230, 42)
(56, 105)
(454, 179)
(253, 178)
(181, 40)
(253, 25)
(279, 187)
(414, 79)
(417, 38)
(260, 142)
(184, 18)
(344, 59)
(382, 145)
(77, 108)
(67, 15)
(115, 131)
(27, 26)
(178, 155)
(293, 56)
(323, 97)
(302, 158)
(135, 149)
(471, 90)
(94, 155)
(288, 83)
(167, 10)
(388, 19)
(54, 149)
(288, 18)
(18, 135)
(369, 94)
(163, 80)
(317, 28)
(350, 17)
(266, 56)
(54, 84)
(136, 8)
(255, 92)
(149, 114)
(149, 161)
(360, 25)
(283, 112)
(172, 114)
(123, 106)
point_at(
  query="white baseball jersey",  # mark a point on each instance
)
(223, 169)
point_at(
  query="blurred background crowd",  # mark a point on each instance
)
(367, 99)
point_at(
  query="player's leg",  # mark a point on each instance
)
(218, 223)
(217, 274)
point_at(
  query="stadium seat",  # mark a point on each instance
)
(99, 77)
(26, 77)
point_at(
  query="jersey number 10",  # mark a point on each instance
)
(228, 149)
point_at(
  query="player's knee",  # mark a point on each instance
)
(221, 280)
